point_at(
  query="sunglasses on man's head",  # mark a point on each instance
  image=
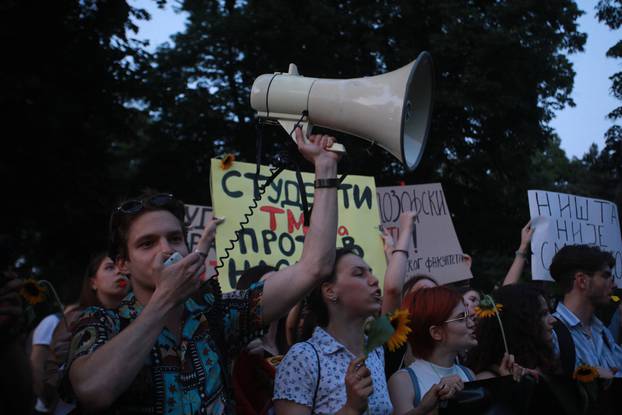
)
(162, 200)
(134, 206)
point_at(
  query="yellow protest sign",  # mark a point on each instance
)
(274, 234)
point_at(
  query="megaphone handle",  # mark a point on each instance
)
(289, 125)
(336, 147)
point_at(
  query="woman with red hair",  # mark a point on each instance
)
(441, 328)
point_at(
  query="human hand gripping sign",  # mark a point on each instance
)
(526, 234)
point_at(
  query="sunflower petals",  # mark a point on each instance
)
(227, 161)
(32, 292)
(585, 373)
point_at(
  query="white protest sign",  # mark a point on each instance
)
(196, 219)
(562, 219)
(436, 250)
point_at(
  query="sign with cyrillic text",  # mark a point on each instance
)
(435, 250)
(274, 233)
(196, 219)
(562, 219)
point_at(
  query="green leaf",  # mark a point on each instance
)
(378, 332)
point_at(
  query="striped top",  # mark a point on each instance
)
(597, 348)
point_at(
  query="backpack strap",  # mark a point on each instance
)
(567, 352)
(467, 373)
(319, 376)
(415, 381)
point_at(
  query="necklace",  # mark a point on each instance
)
(440, 376)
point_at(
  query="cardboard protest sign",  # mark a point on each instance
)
(436, 250)
(196, 219)
(562, 219)
(274, 234)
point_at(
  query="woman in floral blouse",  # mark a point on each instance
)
(310, 379)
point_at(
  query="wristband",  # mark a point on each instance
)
(326, 183)
(400, 250)
(521, 254)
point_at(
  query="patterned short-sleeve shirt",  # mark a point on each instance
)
(297, 376)
(184, 377)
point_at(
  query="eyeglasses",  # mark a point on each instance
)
(462, 316)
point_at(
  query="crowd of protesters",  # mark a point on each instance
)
(151, 335)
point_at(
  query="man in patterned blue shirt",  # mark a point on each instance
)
(165, 349)
(584, 275)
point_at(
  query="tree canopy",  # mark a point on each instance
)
(91, 116)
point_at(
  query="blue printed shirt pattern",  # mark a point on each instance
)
(177, 377)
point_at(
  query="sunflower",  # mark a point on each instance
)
(488, 308)
(585, 373)
(615, 298)
(32, 292)
(399, 320)
(227, 161)
(486, 312)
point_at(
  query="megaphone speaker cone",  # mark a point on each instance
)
(417, 111)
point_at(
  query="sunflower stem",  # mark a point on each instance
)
(505, 343)
(56, 298)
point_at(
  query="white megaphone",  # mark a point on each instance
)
(392, 110)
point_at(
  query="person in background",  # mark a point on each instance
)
(615, 325)
(520, 256)
(41, 340)
(528, 326)
(17, 395)
(584, 275)
(441, 329)
(471, 299)
(102, 285)
(394, 288)
(254, 368)
(397, 254)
